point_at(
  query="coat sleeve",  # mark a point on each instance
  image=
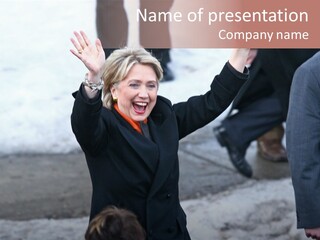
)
(86, 122)
(303, 143)
(200, 110)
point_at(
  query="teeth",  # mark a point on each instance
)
(142, 104)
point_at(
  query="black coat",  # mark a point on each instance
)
(271, 73)
(129, 170)
(278, 67)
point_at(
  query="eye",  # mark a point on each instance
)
(134, 85)
(151, 85)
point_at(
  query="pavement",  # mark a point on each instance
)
(48, 196)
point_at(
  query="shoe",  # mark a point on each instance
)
(167, 74)
(236, 156)
(270, 145)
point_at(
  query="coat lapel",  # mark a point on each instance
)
(167, 142)
(144, 147)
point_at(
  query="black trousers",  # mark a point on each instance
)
(253, 120)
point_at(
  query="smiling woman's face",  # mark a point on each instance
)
(137, 93)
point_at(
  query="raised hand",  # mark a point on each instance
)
(238, 58)
(252, 55)
(92, 55)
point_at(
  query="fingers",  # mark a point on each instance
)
(99, 45)
(76, 45)
(84, 49)
(80, 43)
(99, 48)
(81, 40)
(77, 54)
(85, 38)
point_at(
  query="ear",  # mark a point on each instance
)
(113, 91)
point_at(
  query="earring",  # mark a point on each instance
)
(115, 99)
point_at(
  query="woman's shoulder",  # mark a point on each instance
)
(162, 109)
(108, 116)
(164, 101)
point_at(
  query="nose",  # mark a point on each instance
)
(143, 93)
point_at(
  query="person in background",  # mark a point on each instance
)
(303, 144)
(114, 223)
(271, 73)
(130, 135)
(112, 29)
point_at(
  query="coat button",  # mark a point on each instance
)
(169, 195)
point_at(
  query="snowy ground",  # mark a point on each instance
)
(38, 73)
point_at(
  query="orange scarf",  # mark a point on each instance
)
(133, 123)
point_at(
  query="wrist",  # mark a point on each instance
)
(238, 58)
(93, 83)
(91, 77)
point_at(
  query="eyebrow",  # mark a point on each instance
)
(137, 80)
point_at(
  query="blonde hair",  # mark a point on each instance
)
(119, 63)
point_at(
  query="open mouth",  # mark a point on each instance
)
(140, 107)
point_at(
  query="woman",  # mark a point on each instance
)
(130, 138)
